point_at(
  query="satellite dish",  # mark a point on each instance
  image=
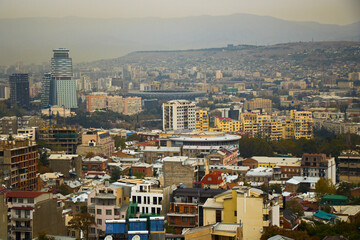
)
(136, 237)
(108, 237)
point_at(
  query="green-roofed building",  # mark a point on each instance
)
(334, 200)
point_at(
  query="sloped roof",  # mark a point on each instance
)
(324, 215)
(23, 194)
(212, 178)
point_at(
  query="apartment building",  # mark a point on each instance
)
(97, 142)
(95, 102)
(61, 139)
(227, 125)
(349, 166)
(32, 212)
(19, 164)
(149, 199)
(303, 124)
(186, 207)
(107, 203)
(248, 206)
(201, 120)
(115, 104)
(132, 105)
(264, 105)
(318, 165)
(178, 115)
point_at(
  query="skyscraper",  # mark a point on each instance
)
(19, 90)
(63, 87)
(45, 91)
(178, 115)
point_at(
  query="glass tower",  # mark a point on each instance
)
(63, 87)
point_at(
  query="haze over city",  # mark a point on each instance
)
(179, 120)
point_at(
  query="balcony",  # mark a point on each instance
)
(21, 229)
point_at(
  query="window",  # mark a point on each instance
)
(186, 209)
(158, 210)
(73, 233)
(192, 221)
(235, 213)
(92, 211)
(20, 200)
(98, 211)
(153, 210)
(172, 220)
(184, 219)
(92, 200)
(99, 222)
(108, 212)
(30, 200)
(154, 200)
(177, 209)
(218, 216)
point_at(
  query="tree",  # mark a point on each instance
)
(115, 174)
(344, 189)
(134, 137)
(44, 161)
(274, 230)
(254, 147)
(324, 187)
(82, 222)
(276, 188)
(139, 175)
(90, 155)
(44, 236)
(303, 188)
(64, 190)
(119, 142)
(295, 207)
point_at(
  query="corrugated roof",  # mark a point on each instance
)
(226, 227)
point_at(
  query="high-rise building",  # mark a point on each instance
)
(264, 105)
(132, 105)
(201, 120)
(178, 115)
(303, 124)
(19, 164)
(45, 91)
(19, 90)
(63, 87)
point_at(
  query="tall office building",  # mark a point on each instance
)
(63, 87)
(19, 90)
(45, 90)
(178, 115)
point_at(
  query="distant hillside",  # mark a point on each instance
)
(32, 39)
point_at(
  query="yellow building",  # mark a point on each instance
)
(259, 103)
(247, 206)
(303, 124)
(227, 125)
(201, 120)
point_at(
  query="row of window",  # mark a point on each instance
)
(146, 200)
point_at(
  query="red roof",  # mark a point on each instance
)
(212, 178)
(23, 194)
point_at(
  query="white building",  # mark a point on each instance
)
(149, 200)
(178, 115)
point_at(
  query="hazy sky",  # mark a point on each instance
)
(323, 11)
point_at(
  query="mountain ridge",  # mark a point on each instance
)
(32, 39)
